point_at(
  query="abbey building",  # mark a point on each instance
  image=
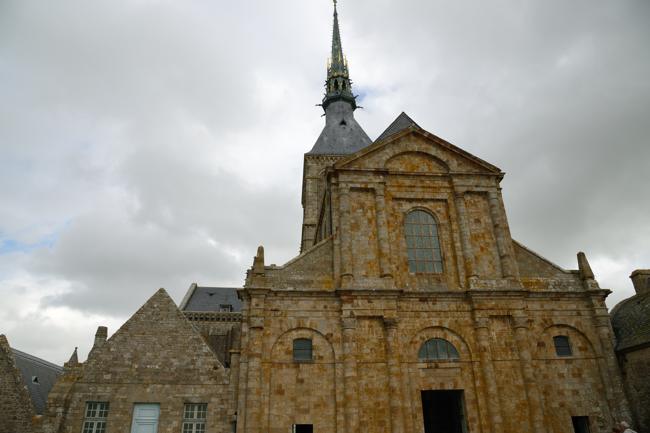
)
(409, 309)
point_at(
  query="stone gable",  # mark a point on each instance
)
(157, 339)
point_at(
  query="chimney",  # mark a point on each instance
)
(641, 280)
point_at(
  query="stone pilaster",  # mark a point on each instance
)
(350, 375)
(382, 233)
(346, 241)
(253, 389)
(468, 251)
(522, 338)
(508, 265)
(394, 376)
(487, 369)
(617, 400)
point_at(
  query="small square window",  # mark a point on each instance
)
(194, 416)
(302, 349)
(562, 345)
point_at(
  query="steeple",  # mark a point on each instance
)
(342, 134)
(338, 85)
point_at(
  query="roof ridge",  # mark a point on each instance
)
(36, 359)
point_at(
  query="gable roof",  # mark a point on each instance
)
(404, 125)
(402, 122)
(38, 375)
(156, 339)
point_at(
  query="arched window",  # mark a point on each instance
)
(422, 243)
(437, 349)
(562, 345)
(302, 349)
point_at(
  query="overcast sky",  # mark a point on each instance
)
(151, 143)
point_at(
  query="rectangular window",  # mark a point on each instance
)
(562, 345)
(95, 417)
(194, 416)
(302, 350)
(303, 428)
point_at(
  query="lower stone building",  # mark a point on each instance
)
(156, 373)
(409, 309)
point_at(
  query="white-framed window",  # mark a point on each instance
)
(95, 417)
(194, 415)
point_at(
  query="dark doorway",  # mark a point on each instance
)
(580, 424)
(303, 428)
(443, 412)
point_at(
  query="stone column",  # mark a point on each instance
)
(491, 389)
(394, 376)
(522, 338)
(350, 375)
(382, 232)
(508, 267)
(346, 241)
(468, 251)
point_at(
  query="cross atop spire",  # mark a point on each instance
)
(338, 85)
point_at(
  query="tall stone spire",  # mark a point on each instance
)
(342, 134)
(338, 85)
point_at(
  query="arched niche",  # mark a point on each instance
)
(581, 346)
(300, 391)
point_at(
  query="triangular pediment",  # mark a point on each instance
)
(155, 341)
(405, 146)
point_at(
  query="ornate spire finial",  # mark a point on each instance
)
(338, 85)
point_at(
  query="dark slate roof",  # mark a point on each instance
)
(211, 299)
(45, 373)
(342, 135)
(402, 122)
(631, 321)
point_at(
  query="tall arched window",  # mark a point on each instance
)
(437, 349)
(422, 243)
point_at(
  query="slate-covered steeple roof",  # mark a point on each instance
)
(342, 134)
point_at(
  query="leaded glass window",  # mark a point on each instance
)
(422, 243)
(437, 349)
(194, 415)
(562, 345)
(95, 417)
(302, 349)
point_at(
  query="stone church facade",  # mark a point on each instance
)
(409, 309)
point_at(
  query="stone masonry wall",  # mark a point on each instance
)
(16, 410)
(366, 375)
(636, 373)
